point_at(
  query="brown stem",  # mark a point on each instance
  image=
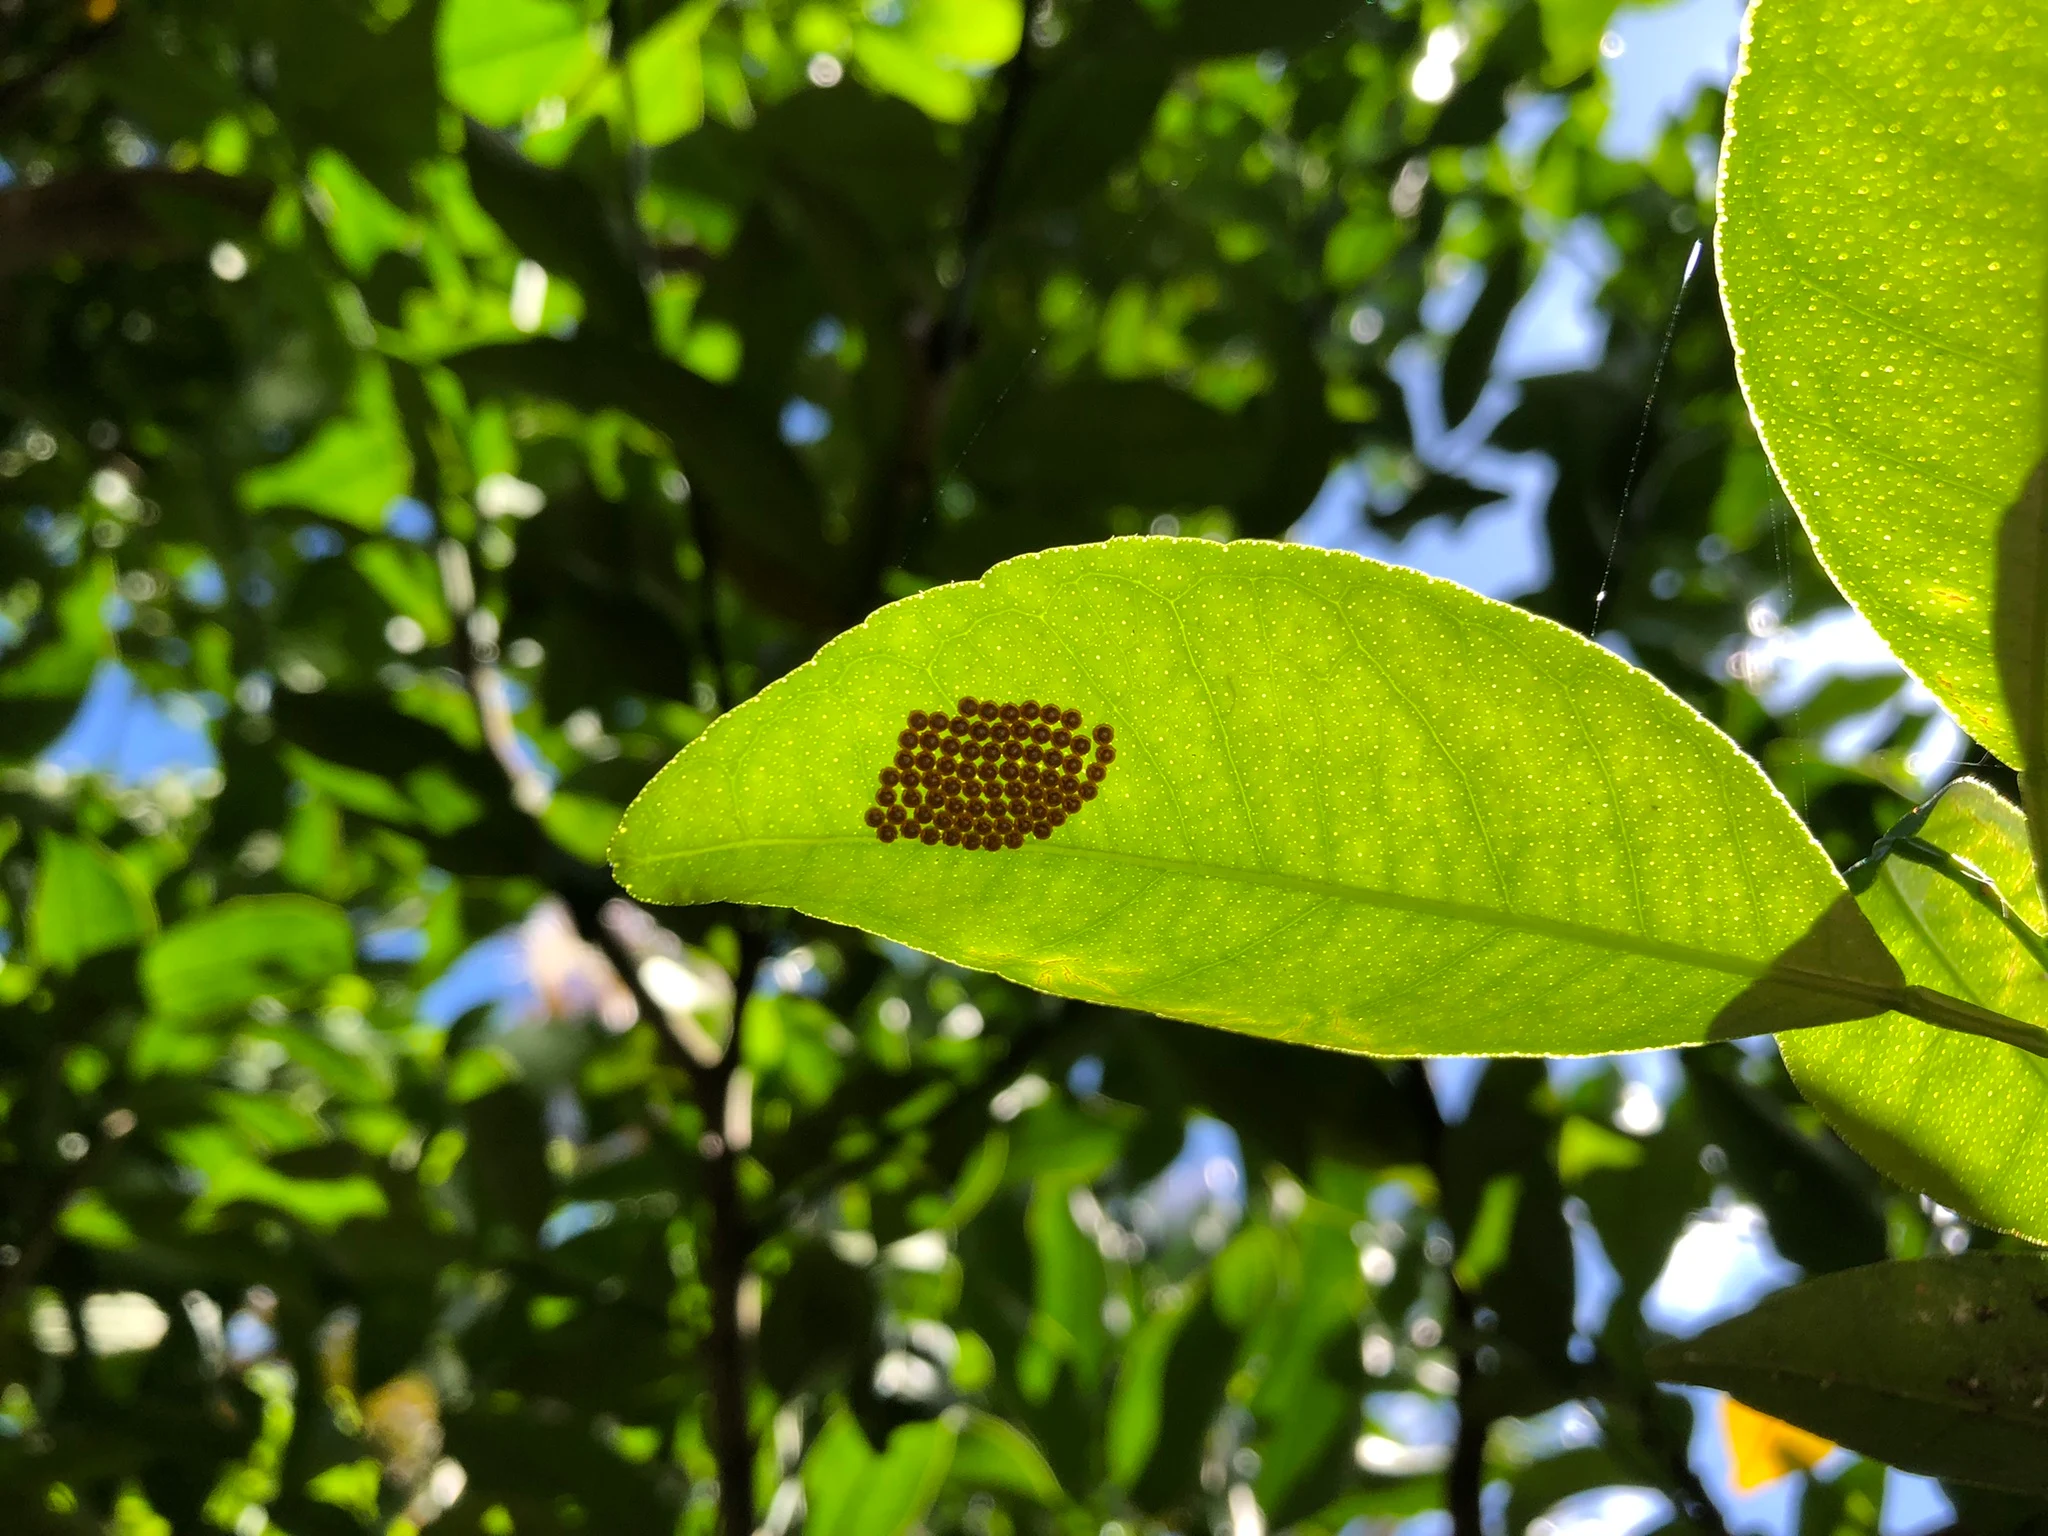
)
(625, 15)
(939, 346)
(948, 344)
(704, 529)
(1694, 1503)
(730, 1238)
(725, 1268)
(117, 215)
(1466, 1474)
(1465, 1478)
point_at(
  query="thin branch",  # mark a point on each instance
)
(586, 893)
(730, 1240)
(725, 1268)
(116, 215)
(704, 531)
(41, 1242)
(625, 15)
(1980, 888)
(1465, 1477)
(977, 214)
(967, 1098)
(16, 94)
(477, 660)
(937, 348)
(680, 258)
(650, 262)
(1967, 1018)
(1687, 1491)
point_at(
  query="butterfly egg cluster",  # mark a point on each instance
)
(989, 775)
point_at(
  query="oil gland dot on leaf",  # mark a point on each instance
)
(990, 777)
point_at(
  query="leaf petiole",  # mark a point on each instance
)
(1953, 1013)
(1981, 888)
(1903, 842)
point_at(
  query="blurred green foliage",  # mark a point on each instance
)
(419, 419)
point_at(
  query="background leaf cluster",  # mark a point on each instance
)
(420, 420)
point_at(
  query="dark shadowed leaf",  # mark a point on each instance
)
(1932, 1365)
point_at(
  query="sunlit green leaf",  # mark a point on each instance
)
(362, 223)
(1136, 1403)
(65, 664)
(87, 901)
(91, 1220)
(1932, 1366)
(1069, 1286)
(231, 1173)
(1353, 806)
(499, 58)
(667, 74)
(852, 1491)
(351, 470)
(1572, 30)
(996, 1455)
(1882, 249)
(1963, 1119)
(580, 823)
(251, 947)
(932, 56)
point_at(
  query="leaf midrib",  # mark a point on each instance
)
(1372, 896)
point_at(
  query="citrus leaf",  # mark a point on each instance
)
(87, 901)
(994, 1454)
(2020, 637)
(1881, 246)
(1137, 1402)
(251, 946)
(1930, 1365)
(1962, 1119)
(498, 58)
(852, 1491)
(1353, 806)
